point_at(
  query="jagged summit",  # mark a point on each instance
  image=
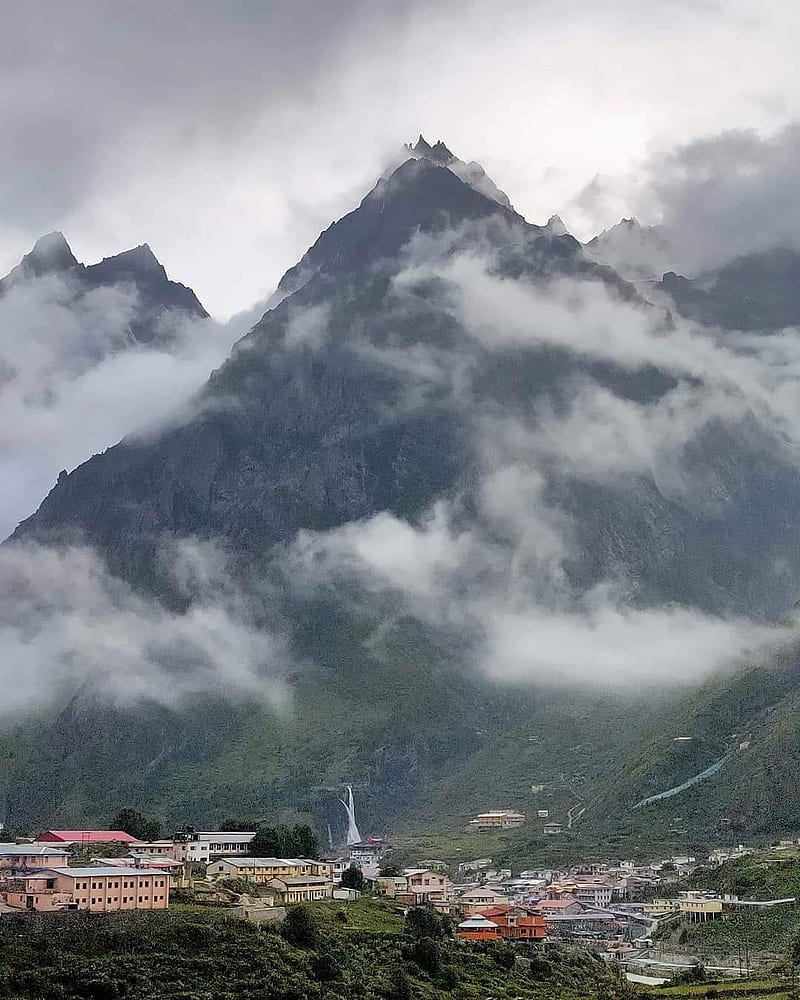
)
(438, 153)
(51, 254)
(139, 261)
(138, 267)
(636, 251)
(555, 226)
(471, 173)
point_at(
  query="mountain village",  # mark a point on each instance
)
(615, 908)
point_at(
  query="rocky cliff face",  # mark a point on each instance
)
(157, 297)
(309, 424)
(426, 352)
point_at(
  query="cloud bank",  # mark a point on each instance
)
(713, 199)
(275, 117)
(72, 384)
(490, 571)
(66, 624)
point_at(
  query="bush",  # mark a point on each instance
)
(325, 968)
(424, 922)
(427, 954)
(504, 955)
(539, 968)
(301, 927)
(400, 987)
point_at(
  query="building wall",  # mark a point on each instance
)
(105, 893)
(33, 860)
(480, 934)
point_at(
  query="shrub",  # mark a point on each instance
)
(427, 954)
(301, 927)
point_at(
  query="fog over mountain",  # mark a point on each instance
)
(462, 411)
(514, 440)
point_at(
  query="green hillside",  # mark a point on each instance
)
(750, 722)
(190, 956)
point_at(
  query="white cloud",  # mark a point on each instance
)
(71, 383)
(66, 622)
(275, 117)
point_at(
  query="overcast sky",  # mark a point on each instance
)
(228, 134)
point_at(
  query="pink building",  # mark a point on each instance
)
(85, 837)
(100, 890)
(16, 856)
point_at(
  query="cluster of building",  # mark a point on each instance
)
(39, 875)
(138, 875)
(616, 905)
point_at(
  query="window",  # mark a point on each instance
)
(141, 899)
(124, 899)
(93, 900)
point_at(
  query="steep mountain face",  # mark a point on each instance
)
(425, 356)
(156, 296)
(759, 292)
(635, 251)
(308, 443)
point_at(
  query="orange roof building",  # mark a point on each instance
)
(516, 922)
(478, 928)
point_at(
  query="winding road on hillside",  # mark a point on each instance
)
(677, 789)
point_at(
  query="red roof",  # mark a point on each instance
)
(85, 837)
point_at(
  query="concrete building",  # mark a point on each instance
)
(478, 928)
(475, 900)
(22, 856)
(99, 890)
(85, 837)
(559, 907)
(303, 889)
(699, 905)
(517, 922)
(420, 887)
(261, 870)
(177, 870)
(204, 846)
(591, 892)
(497, 819)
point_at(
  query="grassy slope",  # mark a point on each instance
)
(763, 876)
(425, 745)
(190, 956)
(758, 790)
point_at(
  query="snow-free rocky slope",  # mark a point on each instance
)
(157, 298)
(313, 423)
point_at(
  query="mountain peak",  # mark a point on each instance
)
(555, 226)
(438, 153)
(52, 249)
(471, 173)
(51, 254)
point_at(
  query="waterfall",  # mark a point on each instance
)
(353, 834)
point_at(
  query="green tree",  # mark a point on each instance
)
(389, 871)
(353, 878)
(281, 841)
(427, 954)
(425, 922)
(238, 825)
(301, 927)
(136, 824)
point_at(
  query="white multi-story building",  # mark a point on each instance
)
(205, 845)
